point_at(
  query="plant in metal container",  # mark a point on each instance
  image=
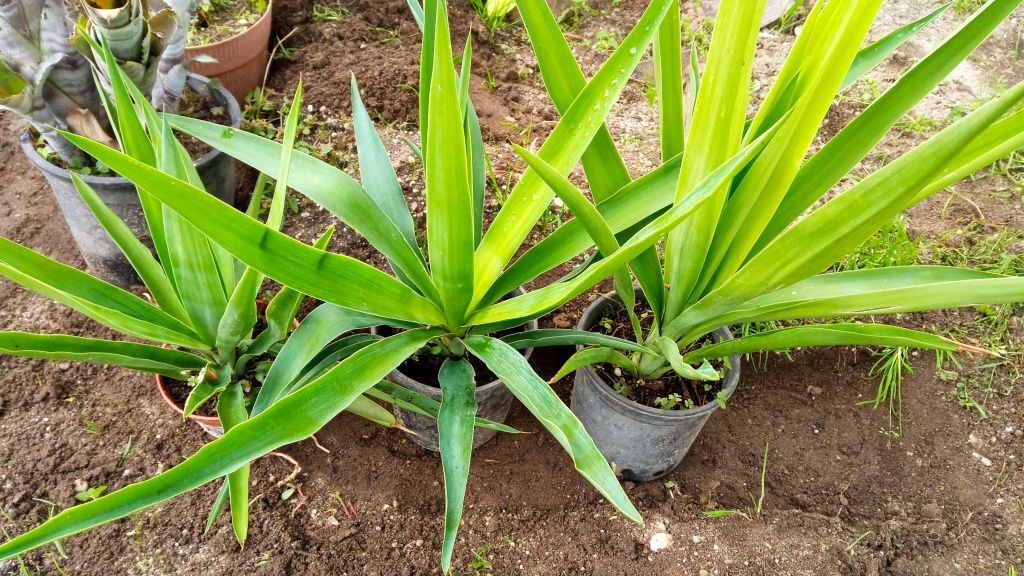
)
(450, 297)
(758, 247)
(46, 77)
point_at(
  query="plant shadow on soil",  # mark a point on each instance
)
(922, 503)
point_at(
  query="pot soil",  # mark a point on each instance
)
(239, 62)
(493, 399)
(211, 424)
(99, 250)
(641, 442)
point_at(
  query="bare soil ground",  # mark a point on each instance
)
(843, 494)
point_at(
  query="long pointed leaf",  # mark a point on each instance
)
(294, 418)
(455, 439)
(544, 404)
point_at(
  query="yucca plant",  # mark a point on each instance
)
(45, 78)
(757, 248)
(445, 298)
(201, 322)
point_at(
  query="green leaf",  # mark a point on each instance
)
(835, 160)
(717, 124)
(107, 304)
(141, 357)
(316, 331)
(539, 302)
(149, 270)
(330, 277)
(370, 410)
(415, 402)
(455, 439)
(668, 71)
(564, 79)
(871, 292)
(873, 55)
(563, 149)
(669, 350)
(449, 192)
(293, 418)
(832, 231)
(591, 356)
(378, 175)
(231, 409)
(544, 404)
(202, 392)
(323, 183)
(560, 337)
(826, 335)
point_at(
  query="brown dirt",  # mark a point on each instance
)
(842, 494)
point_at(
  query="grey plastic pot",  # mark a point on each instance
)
(493, 401)
(640, 442)
(100, 251)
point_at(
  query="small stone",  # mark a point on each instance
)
(628, 485)
(660, 541)
(698, 539)
(704, 573)
(81, 485)
(984, 461)
(814, 391)
(64, 365)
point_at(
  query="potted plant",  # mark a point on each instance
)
(452, 297)
(46, 77)
(229, 39)
(452, 305)
(204, 322)
(750, 251)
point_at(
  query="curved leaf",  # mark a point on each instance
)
(544, 404)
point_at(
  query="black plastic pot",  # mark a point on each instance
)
(100, 251)
(641, 443)
(493, 401)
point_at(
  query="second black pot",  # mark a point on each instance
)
(640, 442)
(99, 250)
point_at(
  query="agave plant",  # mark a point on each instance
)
(756, 247)
(45, 78)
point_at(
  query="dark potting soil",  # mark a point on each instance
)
(649, 391)
(224, 19)
(424, 366)
(179, 391)
(201, 106)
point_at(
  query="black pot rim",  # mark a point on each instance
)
(630, 407)
(28, 147)
(527, 326)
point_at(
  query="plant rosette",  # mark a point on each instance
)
(240, 61)
(101, 253)
(644, 442)
(210, 423)
(420, 375)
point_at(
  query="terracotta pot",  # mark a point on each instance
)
(241, 61)
(211, 424)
